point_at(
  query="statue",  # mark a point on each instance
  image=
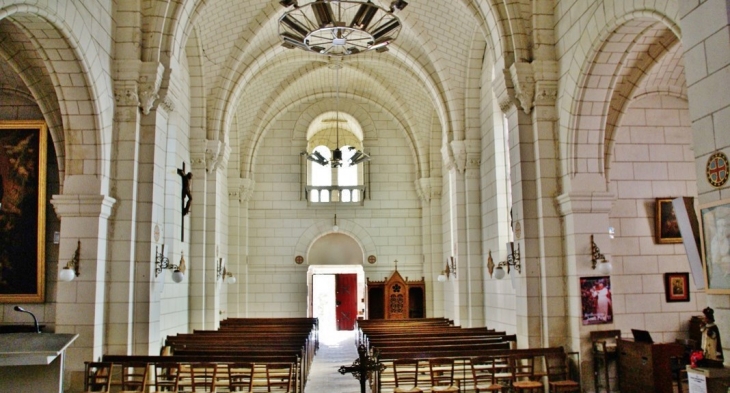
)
(711, 344)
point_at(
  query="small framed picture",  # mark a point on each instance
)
(676, 287)
(666, 228)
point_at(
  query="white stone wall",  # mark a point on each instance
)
(391, 216)
(653, 158)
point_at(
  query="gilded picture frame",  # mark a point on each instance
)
(666, 228)
(23, 148)
(715, 218)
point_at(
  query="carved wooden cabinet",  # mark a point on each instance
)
(396, 298)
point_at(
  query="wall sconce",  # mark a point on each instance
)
(513, 259)
(162, 262)
(221, 271)
(71, 270)
(448, 271)
(604, 267)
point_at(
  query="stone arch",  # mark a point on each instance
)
(324, 227)
(67, 51)
(611, 70)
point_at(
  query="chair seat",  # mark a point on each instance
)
(564, 386)
(492, 387)
(527, 385)
(441, 389)
(407, 390)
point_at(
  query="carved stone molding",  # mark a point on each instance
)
(546, 92)
(139, 83)
(502, 86)
(585, 202)
(247, 187)
(212, 154)
(523, 79)
(95, 206)
(429, 188)
(150, 79)
(168, 104)
(458, 149)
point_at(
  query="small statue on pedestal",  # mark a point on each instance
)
(711, 344)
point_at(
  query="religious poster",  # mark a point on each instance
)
(596, 304)
(22, 211)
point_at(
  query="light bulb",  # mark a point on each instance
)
(499, 273)
(230, 280)
(66, 274)
(441, 278)
(177, 276)
(605, 268)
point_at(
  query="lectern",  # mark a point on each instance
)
(646, 367)
(33, 362)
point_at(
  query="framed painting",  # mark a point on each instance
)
(716, 246)
(22, 211)
(596, 303)
(666, 228)
(676, 287)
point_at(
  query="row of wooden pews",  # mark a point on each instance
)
(419, 352)
(261, 353)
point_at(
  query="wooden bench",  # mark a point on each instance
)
(221, 361)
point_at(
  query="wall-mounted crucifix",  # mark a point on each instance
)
(187, 179)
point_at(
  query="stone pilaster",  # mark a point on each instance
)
(84, 218)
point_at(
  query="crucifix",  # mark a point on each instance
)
(186, 193)
(363, 367)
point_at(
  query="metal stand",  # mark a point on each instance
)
(363, 367)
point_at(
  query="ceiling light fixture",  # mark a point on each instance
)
(339, 27)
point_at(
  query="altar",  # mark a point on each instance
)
(33, 362)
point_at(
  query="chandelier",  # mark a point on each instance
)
(339, 27)
(337, 160)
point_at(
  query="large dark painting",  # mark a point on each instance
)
(22, 211)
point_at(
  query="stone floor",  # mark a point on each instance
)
(336, 349)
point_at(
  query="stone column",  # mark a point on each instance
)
(429, 190)
(129, 289)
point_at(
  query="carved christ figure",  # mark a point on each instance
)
(187, 179)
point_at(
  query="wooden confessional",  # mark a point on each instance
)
(396, 298)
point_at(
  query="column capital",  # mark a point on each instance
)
(82, 205)
(247, 187)
(585, 202)
(523, 79)
(138, 83)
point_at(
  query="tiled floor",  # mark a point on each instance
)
(336, 349)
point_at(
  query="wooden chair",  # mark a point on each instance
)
(134, 377)
(203, 377)
(167, 377)
(442, 375)
(279, 376)
(405, 372)
(522, 369)
(240, 377)
(487, 371)
(98, 377)
(604, 351)
(559, 374)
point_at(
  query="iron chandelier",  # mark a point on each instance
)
(339, 27)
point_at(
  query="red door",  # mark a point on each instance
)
(346, 301)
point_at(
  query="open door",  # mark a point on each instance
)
(346, 301)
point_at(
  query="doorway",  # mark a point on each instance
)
(336, 296)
